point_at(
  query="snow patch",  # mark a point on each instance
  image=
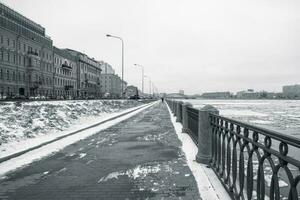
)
(51, 148)
(138, 172)
(81, 155)
(27, 124)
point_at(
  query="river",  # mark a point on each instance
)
(279, 115)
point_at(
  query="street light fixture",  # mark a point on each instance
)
(142, 76)
(117, 37)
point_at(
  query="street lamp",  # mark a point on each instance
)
(142, 76)
(117, 37)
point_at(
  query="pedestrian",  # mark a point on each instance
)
(162, 99)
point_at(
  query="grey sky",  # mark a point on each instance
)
(194, 45)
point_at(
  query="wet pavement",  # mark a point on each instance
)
(139, 158)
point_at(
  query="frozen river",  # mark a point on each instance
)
(278, 115)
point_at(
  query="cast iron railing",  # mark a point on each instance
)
(192, 123)
(179, 112)
(252, 162)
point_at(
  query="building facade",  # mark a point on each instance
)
(216, 95)
(30, 66)
(65, 74)
(112, 85)
(106, 68)
(291, 90)
(132, 92)
(26, 61)
(88, 75)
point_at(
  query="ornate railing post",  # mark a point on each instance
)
(204, 134)
(184, 116)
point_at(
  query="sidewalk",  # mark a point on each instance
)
(139, 158)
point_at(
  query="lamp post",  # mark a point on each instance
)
(117, 37)
(142, 76)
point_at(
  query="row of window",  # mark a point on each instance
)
(19, 29)
(59, 70)
(86, 68)
(13, 58)
(11, 43)
(20, 77)
(10, 14)
(9, 75)
(64, 82)
(60, 61)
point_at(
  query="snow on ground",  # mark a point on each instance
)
(135, 173)
(26, 124)
(210, 188)
(46, 150)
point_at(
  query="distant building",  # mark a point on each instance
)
(247, 94)
(106, 68)
(131, 92)
(88, 75)
(65, 74)
(181, 92)
(291, 90)
(175, 96)
(112, 85)
(251, 94)
(216, 95)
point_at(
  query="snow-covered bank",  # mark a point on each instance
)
(26, 124)
(48, 149)
(210, 188)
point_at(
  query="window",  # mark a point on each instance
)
(14, 76)
(7, 72)
(7, 57)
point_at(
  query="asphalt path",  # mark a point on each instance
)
(138, 158)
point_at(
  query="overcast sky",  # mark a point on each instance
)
(194, 45)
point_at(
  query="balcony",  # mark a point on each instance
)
(35, 84)
(66, 66)
(68, 87)
(32, 53)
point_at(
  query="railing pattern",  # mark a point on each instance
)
(192, 123)
(252, 162)
(179, 117)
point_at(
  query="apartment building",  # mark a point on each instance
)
(65, 74)
(26, 61)
(88, 75)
